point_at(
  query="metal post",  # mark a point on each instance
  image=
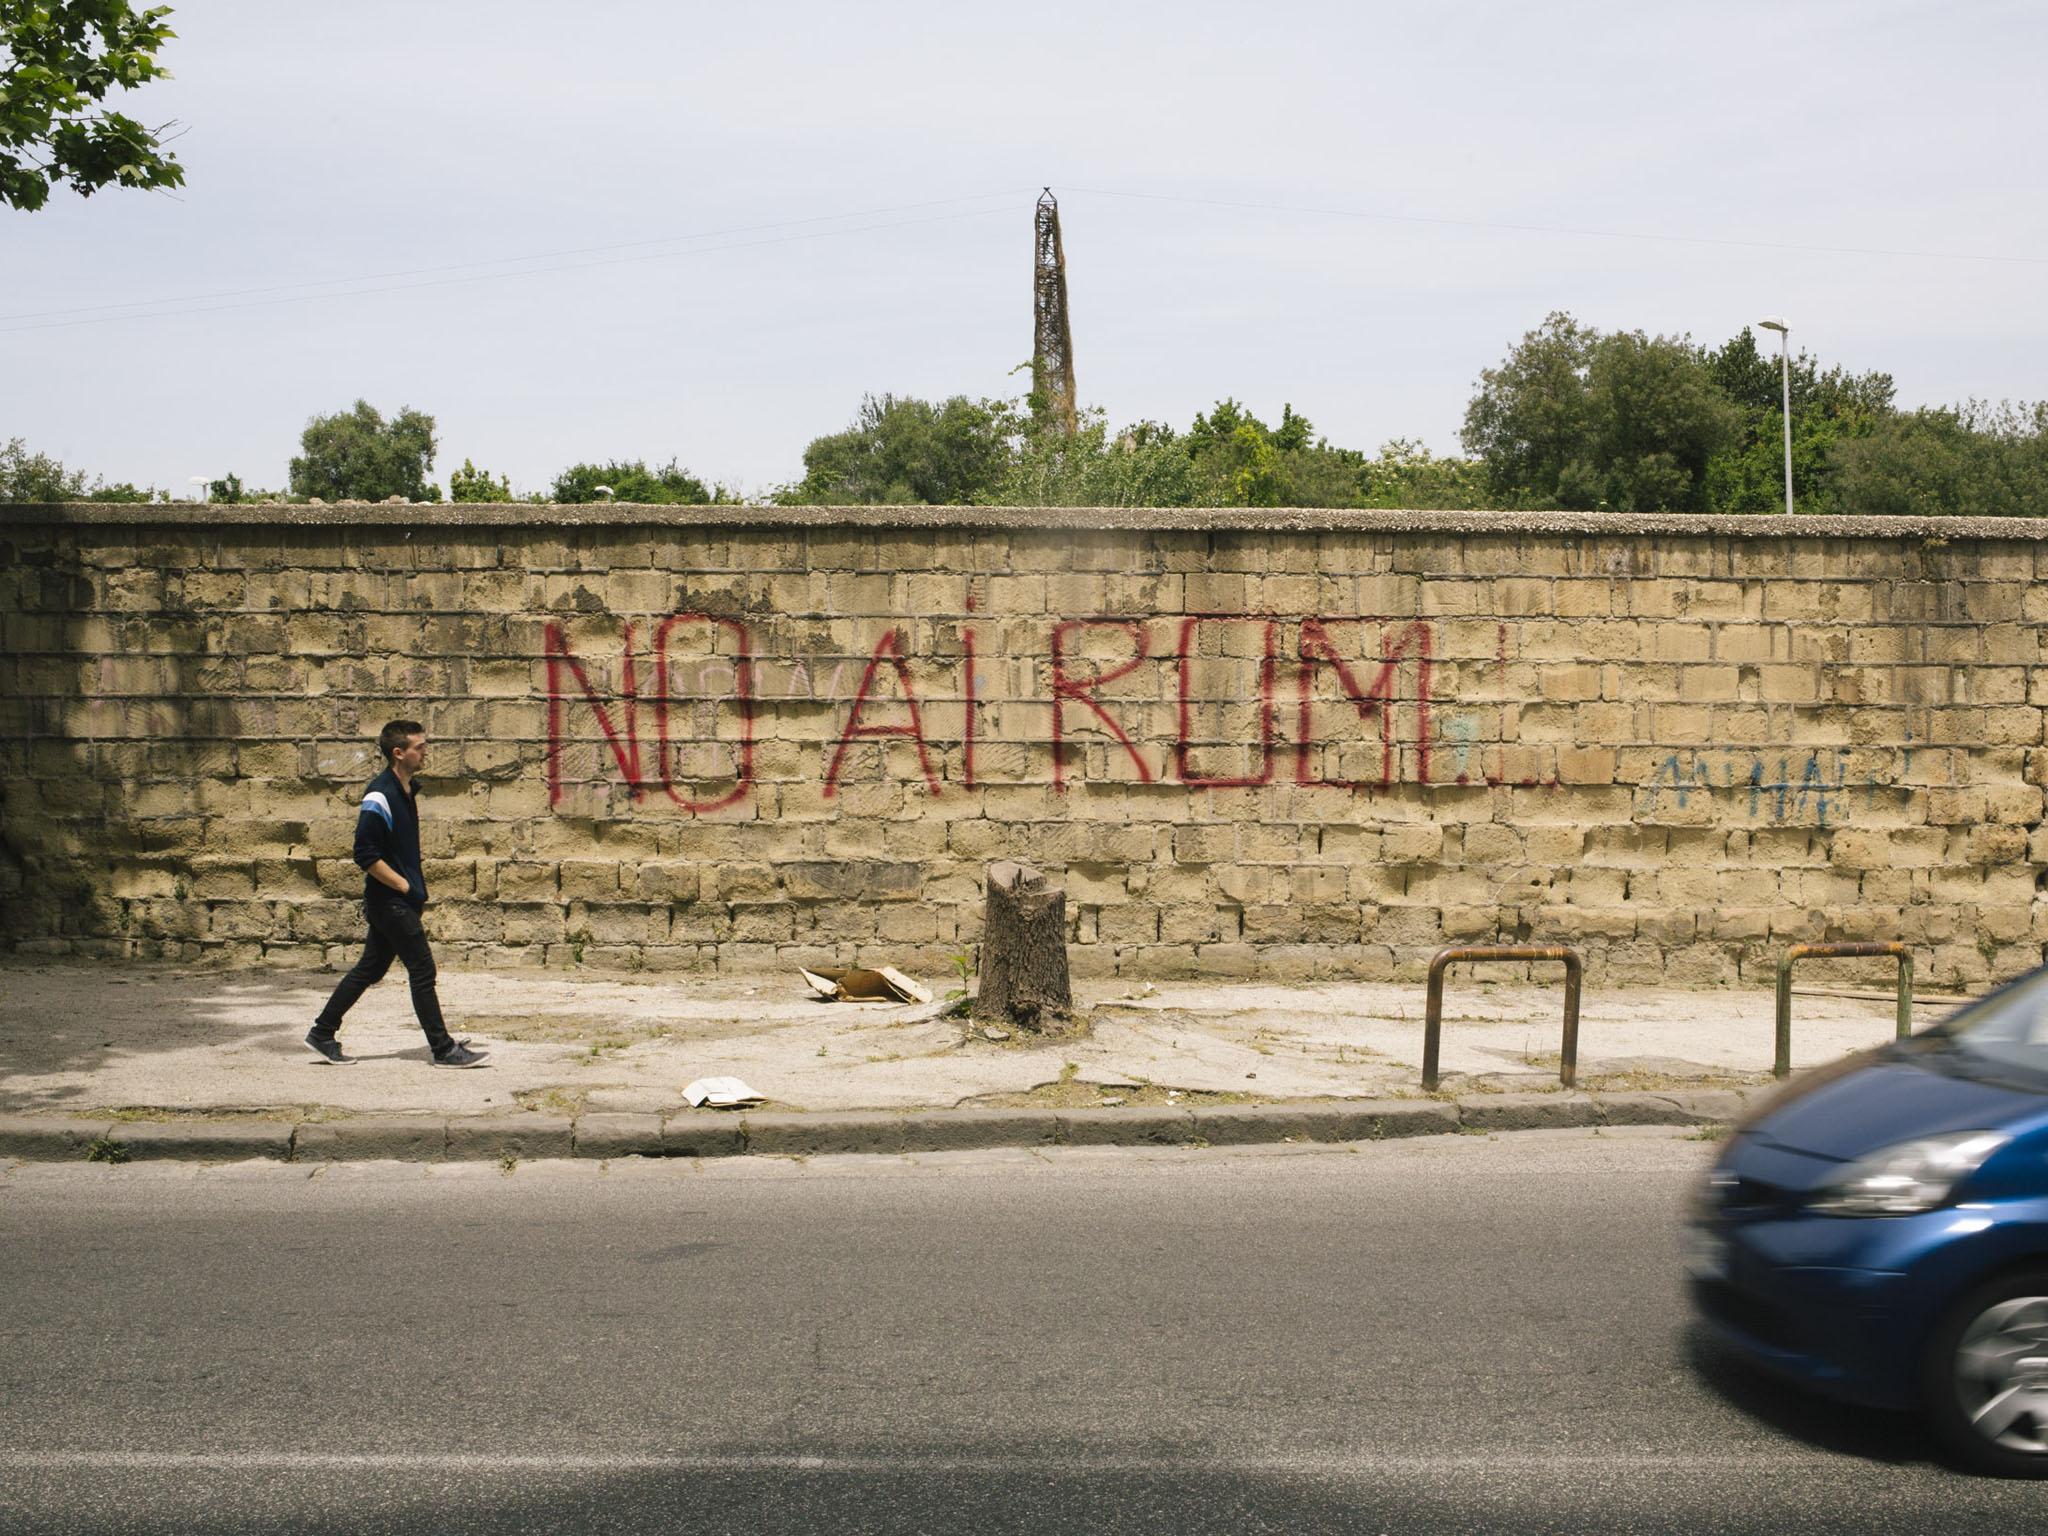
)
(1568, 1057)
(1782, 1064)
(1433, 1009)
(1781, 1059)
(1905, 1021)
(1785, 373)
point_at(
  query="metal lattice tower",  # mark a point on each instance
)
(1052, 338)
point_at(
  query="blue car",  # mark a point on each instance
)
(1878, 1230)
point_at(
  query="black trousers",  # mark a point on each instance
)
(395, 933)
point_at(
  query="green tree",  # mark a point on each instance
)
(472, 484)
(1748, 474)
(1657, 419)
(1235, 460)
(901, 450)
(670, 485)
(124, 491)
(1574, 418)
(1531, 418)
(1240, 461)
(1251, 469)
(59, 61)
(229, 491)
(26, 476)
(355, 455)
(1407, 475)
(1974, 460)
(1142, 466)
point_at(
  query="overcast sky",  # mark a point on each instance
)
(774, 209)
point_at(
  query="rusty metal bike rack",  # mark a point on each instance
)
(1782, 1067)
(1433, 1018)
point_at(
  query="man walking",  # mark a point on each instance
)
(394, 894)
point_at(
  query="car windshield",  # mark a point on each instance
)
(2009, 1028)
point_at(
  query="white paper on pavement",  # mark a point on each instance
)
(720, 1093)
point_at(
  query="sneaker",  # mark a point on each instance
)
(329, 1048)
(459, 1055)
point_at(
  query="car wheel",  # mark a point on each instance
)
(1984, 1379)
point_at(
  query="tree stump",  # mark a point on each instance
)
(1024, 951)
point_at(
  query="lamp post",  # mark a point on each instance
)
(1785, 374)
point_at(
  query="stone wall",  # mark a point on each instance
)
(1287, 744)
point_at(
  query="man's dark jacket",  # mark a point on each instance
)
(388, 828)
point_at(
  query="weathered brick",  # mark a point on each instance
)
(1753, 729)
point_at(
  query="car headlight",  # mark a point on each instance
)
(1710, 1192)
(1909, 1178)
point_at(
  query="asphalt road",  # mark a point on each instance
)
(1444, 1335)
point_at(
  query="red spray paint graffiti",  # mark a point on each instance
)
(1317, 649)
(1402, 646)
(560, 659)
(891, 647)
(743, 686)
(1083, 691)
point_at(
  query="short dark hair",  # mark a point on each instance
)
(397, 733)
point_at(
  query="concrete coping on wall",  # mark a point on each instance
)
(271, 515)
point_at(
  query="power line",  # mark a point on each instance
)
(352, 287)
(1564, 229)
(483, 277)
(500, 261)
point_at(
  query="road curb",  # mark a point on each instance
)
(1528, 1112)
(367, 1138)
(203, 1141)
(709, 1133)
(45, 1138)
(1369, 1120)
(517, 1136)
(612, 1134)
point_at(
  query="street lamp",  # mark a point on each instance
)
(1785, 373)
(199, 484)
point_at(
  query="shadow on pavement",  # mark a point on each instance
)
(1032, 1500)
(62, 1022)
(1035, 1495)
(1844, 1429)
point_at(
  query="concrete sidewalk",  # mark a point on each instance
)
(127, 1061)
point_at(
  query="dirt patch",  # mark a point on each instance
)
(1069, 1094)
(1645, 1074)
(307, 1114)
(556, 1100)
(615, 1031)
(600, 1031)
(1011, 1037)
(1660, 1082)
(1452, 1084)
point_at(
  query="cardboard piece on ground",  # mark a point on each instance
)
(885, 985)
(720, 1093)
